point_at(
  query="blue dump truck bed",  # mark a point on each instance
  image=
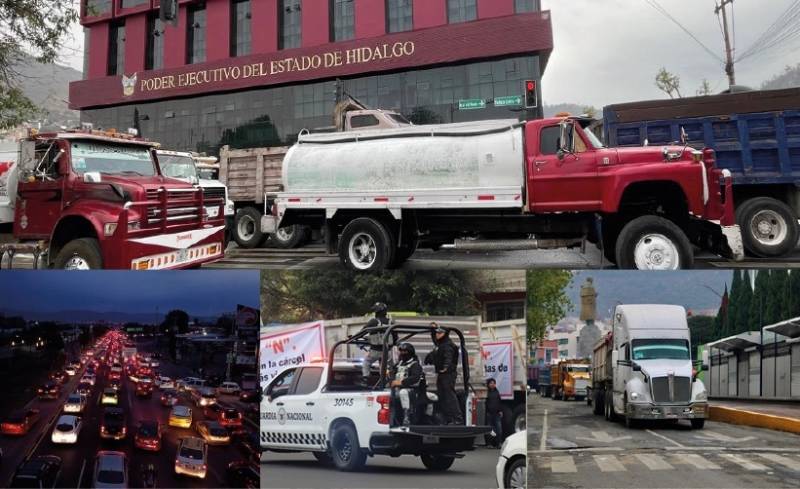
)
(756, 135)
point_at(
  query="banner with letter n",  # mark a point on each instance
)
(290, 347)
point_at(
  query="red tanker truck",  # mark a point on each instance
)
(87, 199)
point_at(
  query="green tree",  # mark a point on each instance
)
(734, 306)
(225, 322)
(744, 304)
(701, 330)
(669, 83)
(175, 322)
(793, 292)
(547, 300)
(705, 88)
(775, 295)
(35, 29)
(760, 293)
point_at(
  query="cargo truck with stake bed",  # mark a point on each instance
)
(88, 199)
(642, 369)
(756, 137)
(377, 195)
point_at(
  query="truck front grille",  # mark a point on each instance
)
(680, 391)
(213, 193)
(181, 206)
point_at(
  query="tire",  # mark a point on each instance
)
(289, 237)
(80, 254)
(516, 474)
(599, 404)
(520, 418)
(437, 463)
(769, 227)
(697, 424)
(508, 421)
(323, 457)
(366, 246)
(346, 453)
(247, 228)
(403, 253)
(658, 242)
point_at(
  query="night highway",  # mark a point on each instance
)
(146, 365)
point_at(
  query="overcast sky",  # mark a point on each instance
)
(609, 51)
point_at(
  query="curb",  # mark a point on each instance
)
(755, 419)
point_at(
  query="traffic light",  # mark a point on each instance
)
(168, 12)
(531, 97)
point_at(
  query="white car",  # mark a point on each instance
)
(110, 470)
(75, 403)
(511, 471)
(71, 370)
(67, 429)
(110, 397)
(87, 377)
(165, 383)
(192, 457)
(231, 388)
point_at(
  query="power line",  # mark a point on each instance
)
(663, 11)
(785, 28)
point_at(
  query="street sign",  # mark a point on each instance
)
(512, 100)
(471, 104)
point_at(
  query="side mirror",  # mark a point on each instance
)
(563, 141)
(92, 177)
(636, 367)
(684, 136)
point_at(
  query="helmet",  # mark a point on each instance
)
(406, 351)
(380, 307)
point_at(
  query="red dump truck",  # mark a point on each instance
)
(87, 199)
(376, 195)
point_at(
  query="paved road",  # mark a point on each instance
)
(570, 447)
(475, 470)
(78, 459)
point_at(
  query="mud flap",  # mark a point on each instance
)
(725, 241)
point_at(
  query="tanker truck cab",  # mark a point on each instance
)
(328, 409)
(97, 199)
(653, 376)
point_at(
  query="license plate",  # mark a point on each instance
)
(429, 439)
(212, 211)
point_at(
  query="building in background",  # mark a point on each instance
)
(503, 297)
(253, 73)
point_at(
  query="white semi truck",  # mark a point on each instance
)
(642, 370)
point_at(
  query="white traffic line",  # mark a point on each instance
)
(563, 464)
(665, 438)
(743, 462)
(653, 462)
(696, 460)
(543, 441)
(609, 463)
(80, 477)
(781, 460)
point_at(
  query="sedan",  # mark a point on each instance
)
(85, 389)
(213, 433)
(169, 398)
(87, 377)
(50, 390)
(40, 471)
(165, 383)
(231, 388)
(76, 402)
(67, 429)
(110, 397)
(511, 470)
(19, 422)
(181, 416)
(148, 436)
(110, 470)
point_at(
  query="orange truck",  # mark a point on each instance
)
(570, 379)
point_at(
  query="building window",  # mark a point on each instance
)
(290, 16)
(563, 341)
(94, 8)
(154, 59)
(196, 35)
(563, 353)
(461, 11)
(342, 20)
(133, 3)
(116, 49)
(522, 6)
(503, 311)
(240, 28)
(399, 15)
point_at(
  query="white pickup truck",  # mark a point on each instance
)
(327, 408)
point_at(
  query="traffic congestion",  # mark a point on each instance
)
(120, 415)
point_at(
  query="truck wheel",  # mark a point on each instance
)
(599, 405)
(247, 228)
(289, 237)
(769, 227)
(345, 451)
(516, 476)
(697, 424)
(520, 418)
(653, 243)
(403, 253)
(366, 246)
(437, 463)
(80, 254)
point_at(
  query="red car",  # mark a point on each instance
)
(19, 422)
(148, 436)
(169, 398)
(144, 389)
(50, 390)
(230, 418)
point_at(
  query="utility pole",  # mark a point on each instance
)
(729, 65)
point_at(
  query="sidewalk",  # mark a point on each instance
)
(780, 416)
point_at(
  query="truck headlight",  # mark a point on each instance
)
(634, 396)
(109, 228)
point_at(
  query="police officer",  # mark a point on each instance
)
(407, 380)
(375, 338)
(444, 358)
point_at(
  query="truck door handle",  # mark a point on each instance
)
(539, 165)
(279, 404)
(309, 403)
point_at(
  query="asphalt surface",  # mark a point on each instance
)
(78, 460)
(569, 447)
(476, 470)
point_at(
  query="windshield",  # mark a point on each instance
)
(110, 476)
(574, 368)
(177, 166)
(191, 453)
(64, 427)
(112, 159)
(399, 118)
(660, 349)
(147, 430)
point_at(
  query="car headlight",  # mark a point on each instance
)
(634, 396)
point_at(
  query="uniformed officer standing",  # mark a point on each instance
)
(444, 358)
(375, 338)
(408, 380)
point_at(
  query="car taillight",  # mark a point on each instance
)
(383, 413)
